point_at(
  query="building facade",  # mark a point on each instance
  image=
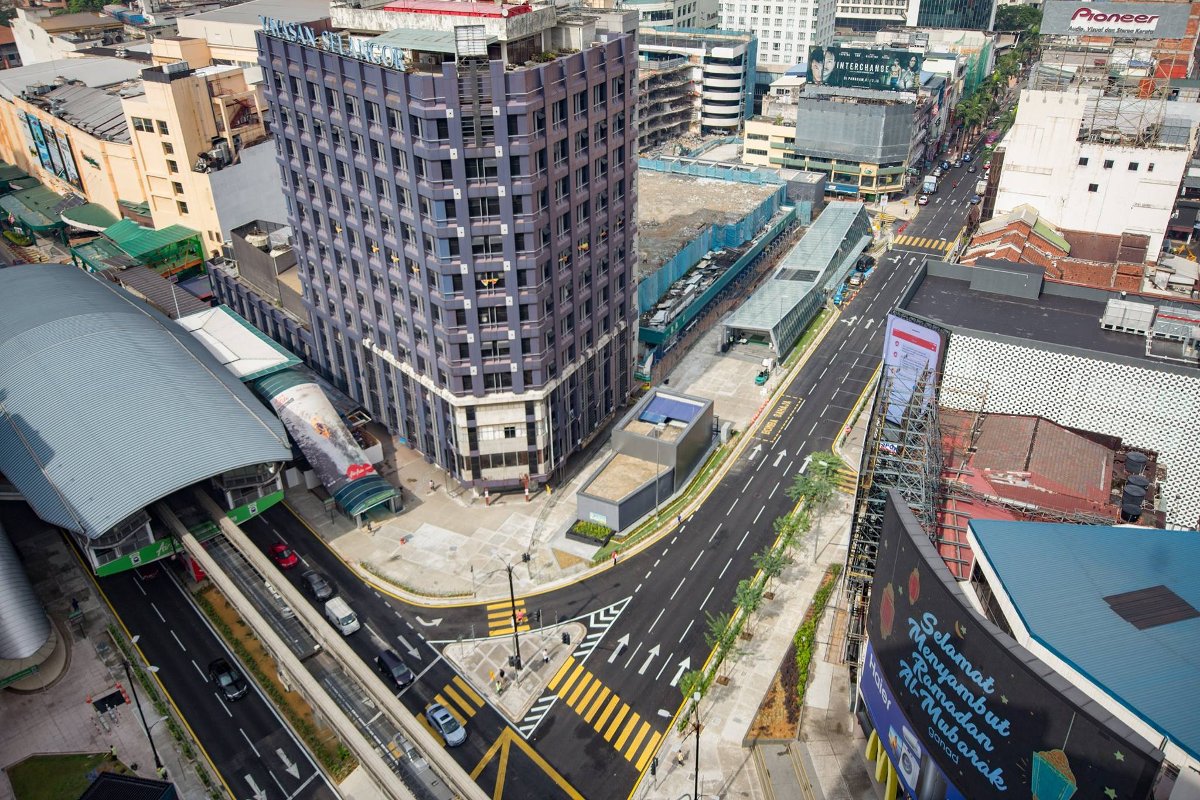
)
(1115, 179)
(464, 228)
(865, 15)
(675, 13)
(693, 81)
(785, 29)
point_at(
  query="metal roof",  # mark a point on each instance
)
(244, 350)
(837, 237)
(1057, 577)
(92, 71)
(93, 111)
(24, 626)
(107, 406)
(140, 242)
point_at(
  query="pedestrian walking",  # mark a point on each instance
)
(614, 558)
(679, 519)
(545, 656)
(679, 756)
(431, 484)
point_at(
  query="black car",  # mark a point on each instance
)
(392, 667)
(317, 585)
(228, 680)
(865, 263)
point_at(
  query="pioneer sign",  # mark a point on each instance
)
(1120, 20)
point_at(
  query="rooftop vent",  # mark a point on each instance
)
(1151, 607)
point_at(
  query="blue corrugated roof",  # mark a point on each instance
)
(107, 406)
(663, 407)
(1057, 576)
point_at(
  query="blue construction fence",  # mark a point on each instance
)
(656, 337)
(715, 237)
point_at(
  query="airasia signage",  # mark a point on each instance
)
(1086, 19)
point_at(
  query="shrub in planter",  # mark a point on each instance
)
(590, 532)
(17, 238)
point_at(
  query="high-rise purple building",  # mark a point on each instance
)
(461, 184)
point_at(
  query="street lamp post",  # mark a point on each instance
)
(696, 723)
(512, 603)
(133, 689)
(658, 429)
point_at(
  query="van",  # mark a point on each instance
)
(339, 613)
(392, 667)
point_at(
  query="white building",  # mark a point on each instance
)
(671, 13)
(1090, 167)
(786, 29)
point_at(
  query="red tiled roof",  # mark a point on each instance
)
(6, 35)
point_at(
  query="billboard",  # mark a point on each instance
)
(1119, 20)
(860, 68)
(39, 141)
(324, 439)
(962, 710)
(910, 358)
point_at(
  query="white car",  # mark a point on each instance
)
(923, 200)
(444, 723)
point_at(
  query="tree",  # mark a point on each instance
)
(720, 636)
(816, 485)
(771, 560)
(748, 597)
(76, 6)
(1017, 18)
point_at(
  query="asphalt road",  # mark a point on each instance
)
(249, 744)
(935, 228)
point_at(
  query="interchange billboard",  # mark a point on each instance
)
(862, 68)
(962, 710)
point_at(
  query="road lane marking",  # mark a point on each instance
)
(718, 530)
(743, 541)
(693, 566)
(756, 516)
(656, 619)
(727, 563)
(689, 627)
(633, 655)
(727, 513)
(181, 647)
(772, 494)
(677, 588)
(197, 666)
(252, 747)
(222, 702)
(156, 611)
(663, 668)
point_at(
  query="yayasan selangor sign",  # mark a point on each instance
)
(1121, 20)
(332, 42)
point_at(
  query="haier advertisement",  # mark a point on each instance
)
(965, 712)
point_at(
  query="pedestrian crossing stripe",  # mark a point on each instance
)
(604, 710)
(500, 618)
(925, 243)
(459, 699)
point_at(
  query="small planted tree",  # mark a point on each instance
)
(771, 560)
(721, 637)
(748, 597)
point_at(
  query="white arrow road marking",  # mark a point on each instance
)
(782, 455)
(412, 651)
(804, 466)
(259, 794)
(290, 767)
(754, 453)
(622, 643)
(432, 624)
(651, 654)
(684, 666)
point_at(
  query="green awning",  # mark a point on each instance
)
(8, 172)
(139, 242)
(100, 254)
(35, 208)
(89, 217)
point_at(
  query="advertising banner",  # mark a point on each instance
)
(56, 162)
(39, 141)
(70, 168)
(960, 709)
(859, 68)
(324, 439)
(1119, 20)
(910, 359)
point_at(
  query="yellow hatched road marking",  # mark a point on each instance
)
(507, 631)
(631, 752)
(505, 614)
(561, 671)
(649, 751)
(467, 690)
(629, 728)
(505, 604)
(596, 705)
(616, 723)
(393, 748)
(466, 707)
(587, 698)
(567, 684)
(428, 727)
(579, 687)
(607, 711)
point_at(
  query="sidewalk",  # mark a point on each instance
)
(53, 705)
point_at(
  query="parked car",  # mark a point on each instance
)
(392, 667)
(444, 723)
(227, 679)
(967, 157)
(855, 280)
(945, 164)
(284, 556)
(972, 168)
(923, 200)
(975, 199)
(865, 263)
(957, 163)
(937, 172)
(317, 585)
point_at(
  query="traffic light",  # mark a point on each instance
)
(654, 767)
(537, 617)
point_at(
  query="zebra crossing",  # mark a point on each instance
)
(598, 622)
(923, 243)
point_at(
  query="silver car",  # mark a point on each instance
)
(444, 723)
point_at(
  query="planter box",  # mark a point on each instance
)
(597, 543)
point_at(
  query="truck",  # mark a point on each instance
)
(980, 187)
(929, 185)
